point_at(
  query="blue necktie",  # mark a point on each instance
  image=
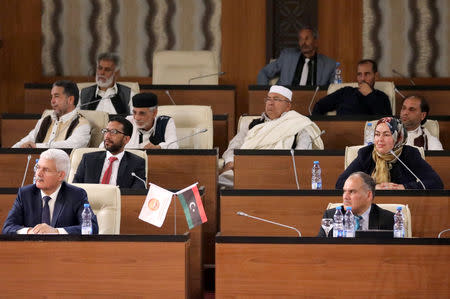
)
(45, 217)
(357, 221)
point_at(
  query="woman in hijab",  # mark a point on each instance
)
(378, 161)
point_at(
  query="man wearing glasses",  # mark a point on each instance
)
(279, 127)
(115, 166)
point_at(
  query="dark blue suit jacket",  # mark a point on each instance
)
(27, 210)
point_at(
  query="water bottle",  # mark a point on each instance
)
(338, 74)
(338, 225)
(35, 169)
(399, 224)
(86, 226)
(368, 134)
(316, 178)
(349, 223)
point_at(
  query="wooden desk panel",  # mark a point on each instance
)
(301, 270)
(304, 210)
(94, 268)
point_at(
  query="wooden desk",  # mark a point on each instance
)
(272, 169)
(437, 96)
(94, 266)
(311, 268)
(430, 210)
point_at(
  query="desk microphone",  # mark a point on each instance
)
(188, 136)
(312, 140)
(417, 179)
(204, 76)
(142, 180)
(26, 169)
(445, 230)
(397, 91)
(312, 100)
(170, 97)
(401, 75)
(268, 221)
(92, 102)
(295, 168)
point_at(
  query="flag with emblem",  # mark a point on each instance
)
(192, 205)
(156, 204)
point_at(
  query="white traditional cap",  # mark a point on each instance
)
(282, 90)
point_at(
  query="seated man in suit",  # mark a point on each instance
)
(414, 114)
(359, 192)
(278, 128)
(115, 166)
(51, 206)
(300, 66)
(65, 127)
(107, 95)
(364, 100)
(151, 131)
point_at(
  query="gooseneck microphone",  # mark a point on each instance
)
(92, 102)
(142, 180)
(204, 76)
(445, 230)
(397, 91)
(26, 170)
(312, 100)
(170, 97)
(188, 136)
(417, 179)
(295, 168)
(401, 75)
(312, 140)
(268, 221)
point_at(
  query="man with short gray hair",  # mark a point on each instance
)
(50, 206)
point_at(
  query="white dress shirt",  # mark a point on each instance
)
(170, 135)
(115, 167)
(433, 143)
(105, 104)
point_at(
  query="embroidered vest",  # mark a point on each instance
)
(120, 101)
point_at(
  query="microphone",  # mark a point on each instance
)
(92, 102)
(188, 136)
(445, 230)
(26, 169)
(170, 97)
(417, 179)
(143, 181)
(295, 168)
(268, 221)
(312, 100)
(204, 76)
(401, 75)
(397, 91)
(312, 140)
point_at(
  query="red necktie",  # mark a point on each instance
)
(107, 175)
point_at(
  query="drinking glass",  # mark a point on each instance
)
(327, 225)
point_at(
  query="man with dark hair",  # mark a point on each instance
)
(115, 166)
(302, 65)
(414, 114)
(64, 127)
(363, 100)
(359, 192)
(107, 95)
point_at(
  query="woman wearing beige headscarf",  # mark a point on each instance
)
(378, 161)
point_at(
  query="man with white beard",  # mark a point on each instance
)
(107, 95)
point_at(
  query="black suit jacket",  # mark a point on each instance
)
(91, 165)
(378, 219)
(27, 210)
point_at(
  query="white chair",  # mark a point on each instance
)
(77, 154)
(431, 125)
(351, 152)
(106, 203)
(190, 119)
(387, 87)
(393, 208)
(179, 67)
(133, 85)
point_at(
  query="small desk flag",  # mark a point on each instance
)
(156, 204)
(192, 205)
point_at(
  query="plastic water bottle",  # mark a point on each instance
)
(349, 223)
(35, 169)
(399, 224)
(86, 226)
(368, 134)
(338, 225)
(338, 74)
(316, 178)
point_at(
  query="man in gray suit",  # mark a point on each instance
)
(300, 66)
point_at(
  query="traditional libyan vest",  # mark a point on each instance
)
(64, 131)
(120, 101)
(160, 130)
(258, 121)
(422, 140)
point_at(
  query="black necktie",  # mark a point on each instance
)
(45, 217)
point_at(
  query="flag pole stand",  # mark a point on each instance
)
(175, 216)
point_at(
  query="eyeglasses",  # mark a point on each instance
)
(45, 170)
(112, 131)
(278, 100)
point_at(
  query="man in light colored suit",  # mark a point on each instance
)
(300, 66)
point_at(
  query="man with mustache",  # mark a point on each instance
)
(107, 95)
(65, 127)
(363, 100)
(115, 166)
(302, 65)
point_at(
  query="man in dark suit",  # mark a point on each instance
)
(359, 192)
(115, 166)
(300, 66)
(51, 206)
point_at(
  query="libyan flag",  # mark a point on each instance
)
(192, 205)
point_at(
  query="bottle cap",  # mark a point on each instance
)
(339, 208)
(349, 208)
(399, 208)
(86, 205)
(369, 124)
(316, 162)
